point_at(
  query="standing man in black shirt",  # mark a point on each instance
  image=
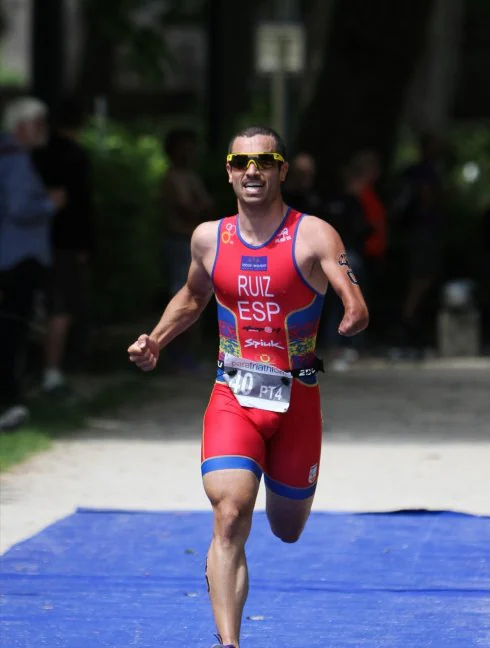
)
(64, 163)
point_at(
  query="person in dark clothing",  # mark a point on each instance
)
(299, 187)
(185, 203)
(26, 211)
(63, 162)
(345, 213)
(419, 211)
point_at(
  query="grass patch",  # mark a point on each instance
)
(51, 420)
(17, 446)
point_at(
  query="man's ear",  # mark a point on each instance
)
(228, 171)
(283, 171)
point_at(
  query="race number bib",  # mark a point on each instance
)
(256, 384)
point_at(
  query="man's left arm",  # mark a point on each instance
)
(331, 254)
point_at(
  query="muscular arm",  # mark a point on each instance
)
(329, 251)
(188, 304)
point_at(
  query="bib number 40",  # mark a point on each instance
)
(243, 383)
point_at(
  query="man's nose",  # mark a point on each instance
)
(252, 167)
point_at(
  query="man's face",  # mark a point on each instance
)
(254, 186)
(304, 171)
(33, 133)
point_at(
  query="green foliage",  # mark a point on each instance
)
(127, 172)
(470, 144)
(11, 78)
(469, 191)
(467, 195)
(135, 27)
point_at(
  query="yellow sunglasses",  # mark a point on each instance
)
(242, 161)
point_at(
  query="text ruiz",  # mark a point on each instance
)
(261, 310)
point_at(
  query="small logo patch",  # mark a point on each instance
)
(283, 236)
(254, 263)
(261, 329)
(313, 474)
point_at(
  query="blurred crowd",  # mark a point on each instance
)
(392, 229)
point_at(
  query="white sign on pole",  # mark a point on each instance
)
(280, 47)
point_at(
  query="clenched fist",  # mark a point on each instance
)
(144, 353)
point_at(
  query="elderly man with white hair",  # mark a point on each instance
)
(26, 210)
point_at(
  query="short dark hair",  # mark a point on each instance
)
(176, 137)
(251, 131)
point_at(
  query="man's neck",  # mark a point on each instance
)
(258, 224)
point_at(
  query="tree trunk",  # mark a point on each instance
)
(97, 68)
(369, 63)
(318, 25)
(432, 92)
(231, 36)
(47, 51)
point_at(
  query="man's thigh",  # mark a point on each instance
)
(231, 439)
(293, 453)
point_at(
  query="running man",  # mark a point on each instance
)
(269, 267)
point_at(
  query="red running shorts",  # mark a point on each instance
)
(284, 446)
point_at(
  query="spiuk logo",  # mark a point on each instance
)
(264, 357)
(283, 236)
(263, 343)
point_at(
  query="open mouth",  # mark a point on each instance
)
(253, 186)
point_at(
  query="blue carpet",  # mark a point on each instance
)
(109, 578)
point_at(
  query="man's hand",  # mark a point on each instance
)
(354, 321)
(144, 353)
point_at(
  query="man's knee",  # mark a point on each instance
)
(288, 533)
(287, 517)
(231, 522)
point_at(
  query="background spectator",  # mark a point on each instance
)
(299, 189)
(376, 242)
(186, 203)
(26, 210)
(419, 211)
(345, 212)
(64, 163)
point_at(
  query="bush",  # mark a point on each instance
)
(467, 189)
(127, 171)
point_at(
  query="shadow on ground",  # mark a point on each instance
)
(393, 403)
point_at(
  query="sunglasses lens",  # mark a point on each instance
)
(266, 161)
(239, 161)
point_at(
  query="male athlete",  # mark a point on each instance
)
(269, 267)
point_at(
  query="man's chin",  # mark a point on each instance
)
(254, 199)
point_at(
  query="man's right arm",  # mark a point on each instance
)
(185, 307)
